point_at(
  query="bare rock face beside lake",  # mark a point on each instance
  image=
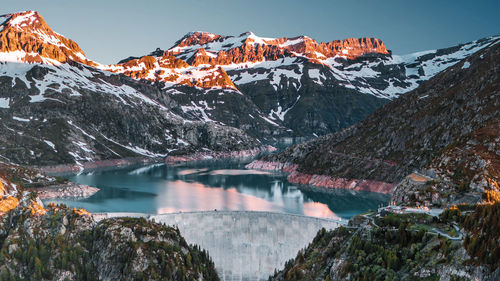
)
(65, 190)
(447, 127)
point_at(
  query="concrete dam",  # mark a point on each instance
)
(244, 245)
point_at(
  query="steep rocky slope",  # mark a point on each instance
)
(71, 113)
(466, 171)
(62, 244)
(58, 108)
(404, 247)
(27, 37)
(454, 114)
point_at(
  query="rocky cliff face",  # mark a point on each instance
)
(64, 244)
(454, 114)
(25, 36)
(207, 48)
(12, 179)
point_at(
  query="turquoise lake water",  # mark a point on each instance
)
(221, 185)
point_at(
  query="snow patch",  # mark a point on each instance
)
(136, 149)
(24, 20)
(51, 144)
(270, 121)
(81, 130)
(317, 76)
(4, 102)
(20, 119)
(292, 42)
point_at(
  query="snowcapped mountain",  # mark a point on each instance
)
(299, 87)
(194, 58)
(207, 92)
(207, 48)
(26, 37)
(363, 64)
(57, 107)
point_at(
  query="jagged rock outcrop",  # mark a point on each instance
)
(248, 48)
(29, 33)
(12, 180)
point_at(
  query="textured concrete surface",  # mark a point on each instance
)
(244, 245)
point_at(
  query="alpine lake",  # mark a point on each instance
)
(213, 185)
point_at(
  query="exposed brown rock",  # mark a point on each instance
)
(198, 38)
(322, 181)
(252, 51)
(28, 32)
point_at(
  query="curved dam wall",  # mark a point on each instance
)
(244, 245)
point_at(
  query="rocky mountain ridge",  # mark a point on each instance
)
(177, 101)
(207, 48)
(454, 114)
(61, 110)
(295, 83)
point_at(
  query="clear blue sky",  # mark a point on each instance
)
(109, 30)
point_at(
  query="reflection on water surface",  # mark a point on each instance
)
(217, 185)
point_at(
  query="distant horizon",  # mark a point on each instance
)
(111, 31)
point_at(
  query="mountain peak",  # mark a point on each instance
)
(26, 37)
(248, 34)
(196, 38)
(24, 19)
(248, 47)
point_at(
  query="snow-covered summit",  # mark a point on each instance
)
(271, 87)
(249, 44)
(26, 37)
